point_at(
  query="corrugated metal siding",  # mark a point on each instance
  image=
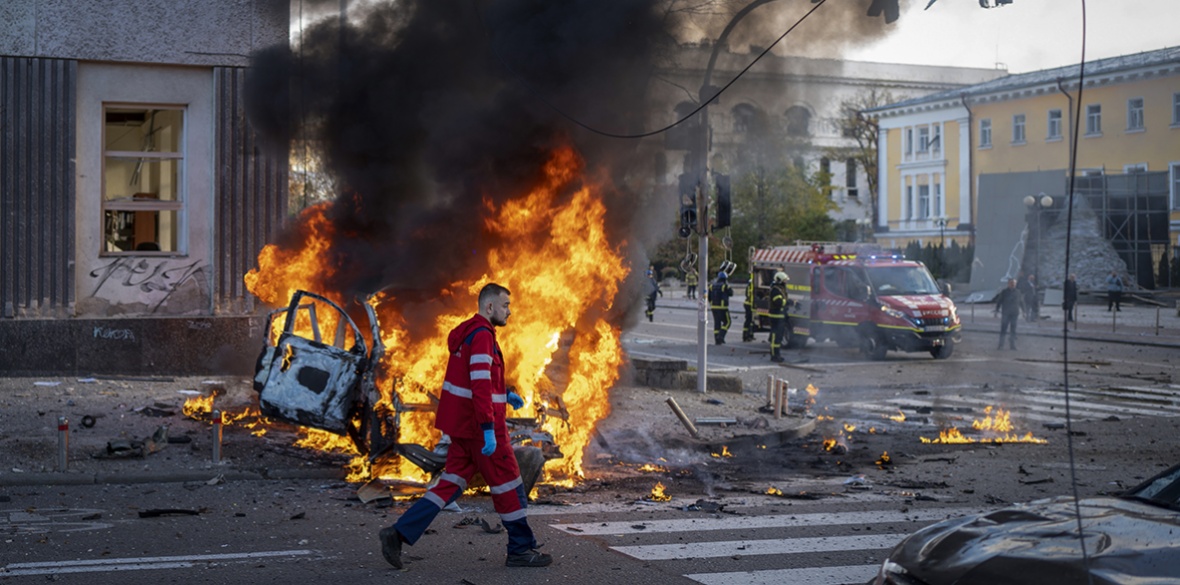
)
(251, 199)
(37, 149)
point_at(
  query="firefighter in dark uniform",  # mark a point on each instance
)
(778, 316)
(719, 295)
(652, 288)
(748, 326)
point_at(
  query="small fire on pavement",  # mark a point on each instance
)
(657, 494)
(996, 427)
(724, 452)
(201, 408)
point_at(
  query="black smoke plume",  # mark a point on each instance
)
(423, 108)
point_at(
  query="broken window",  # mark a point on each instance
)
(142, 179)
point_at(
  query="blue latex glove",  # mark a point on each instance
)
(489, 442)
(515, 400)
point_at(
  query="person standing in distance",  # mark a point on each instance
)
(719, 295)
(748, 304)
(1114, 290)
(1009, 304)
(472, 412)
(1070, 296)
(652, 288)
(778, 316)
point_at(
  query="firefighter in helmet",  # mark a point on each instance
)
(719, 294)
(748, 325)
(778, 315)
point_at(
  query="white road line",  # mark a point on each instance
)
(777, 546)
(773, 521)
(137, 563)
(844, 575)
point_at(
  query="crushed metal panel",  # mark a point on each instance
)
(311, 384)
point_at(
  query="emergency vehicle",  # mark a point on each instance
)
(857, 296)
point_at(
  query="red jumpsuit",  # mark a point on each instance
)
(474, 399)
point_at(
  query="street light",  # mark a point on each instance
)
(864, 224)
(1036, 204)
(941, 223)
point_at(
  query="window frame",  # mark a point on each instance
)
(1176, 109)
(985, 133)
(1135, 115)
(1019, 136)
(1053, 125)
(924, 211)
(1094, 119)
(178, 205)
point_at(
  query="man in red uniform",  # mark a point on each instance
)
(471, 410)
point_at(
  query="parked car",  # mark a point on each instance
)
(1133, 538)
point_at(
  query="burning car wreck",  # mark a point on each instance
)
(332, 386)
(1129, 539)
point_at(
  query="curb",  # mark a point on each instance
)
(180, 476)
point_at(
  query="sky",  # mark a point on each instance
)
(1026, 35)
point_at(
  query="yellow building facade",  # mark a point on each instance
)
(954, 165)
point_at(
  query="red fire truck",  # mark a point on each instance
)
(857, 296)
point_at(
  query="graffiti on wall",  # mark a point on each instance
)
(152, 281)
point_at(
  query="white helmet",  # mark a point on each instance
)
(781, 276)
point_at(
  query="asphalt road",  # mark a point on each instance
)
(830, 519)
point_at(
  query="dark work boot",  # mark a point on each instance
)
(391, 546)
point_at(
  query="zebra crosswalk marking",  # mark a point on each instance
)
(773, 521)
(806, 576)
(775, 546)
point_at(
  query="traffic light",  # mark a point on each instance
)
(724, 200)
(688, 205)
(889, 7)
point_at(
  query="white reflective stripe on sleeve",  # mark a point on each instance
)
(481, 375)
(506, 487)
(499, 398)
(434, 499)
(459, 481)
(457, 391)
(480, 358)
(517, 515)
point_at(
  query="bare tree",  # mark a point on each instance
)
(860, 125)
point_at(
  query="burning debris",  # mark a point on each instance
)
(997, 428)
(657, 494)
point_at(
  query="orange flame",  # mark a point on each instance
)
(998, 426)
(657, 494)
(564, 274)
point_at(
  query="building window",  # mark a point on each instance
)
(939, 204)
(1018, 129)
(825, 166)
(850, 177)
(924, 139)
(1174, 183)
(909, 202)
(923, 201)
(798, 121)
(1094, 120)
(1054, 125)
(936, 141)
(142, 178)
(1135, 114)
(1176, 109)
(1135, 168)
(743, 118)
(985, 133)
(909, 141)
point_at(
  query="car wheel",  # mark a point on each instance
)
(872, 345)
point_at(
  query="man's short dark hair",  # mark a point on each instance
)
(490, 292)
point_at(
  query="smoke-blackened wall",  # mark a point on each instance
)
(424, 109)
